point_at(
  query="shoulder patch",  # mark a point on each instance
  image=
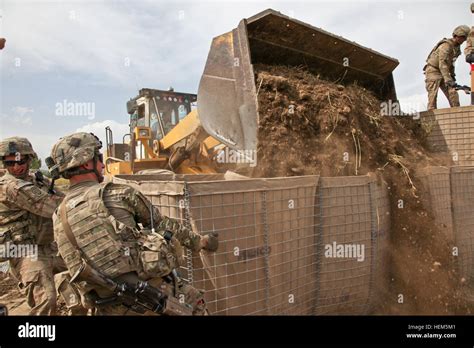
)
(33, 191)
(13, 187)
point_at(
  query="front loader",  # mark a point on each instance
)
(167, 133)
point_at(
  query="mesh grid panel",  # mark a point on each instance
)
(462, 187)
(274, 235)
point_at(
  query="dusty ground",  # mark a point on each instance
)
(313, 126)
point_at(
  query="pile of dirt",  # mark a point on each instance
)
(312, 126)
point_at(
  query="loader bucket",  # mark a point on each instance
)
(227, 95)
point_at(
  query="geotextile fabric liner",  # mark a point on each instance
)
(462, 191)
(274, 234)
(452, 199)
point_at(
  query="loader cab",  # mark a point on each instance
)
(153, 114)
(159, 110)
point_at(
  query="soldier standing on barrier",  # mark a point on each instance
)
(106, 236)
(439, 68)
(26, 209)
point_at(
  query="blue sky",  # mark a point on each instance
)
(101, 52)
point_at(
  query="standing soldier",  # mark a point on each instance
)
(26, 209)
(439, 68)
(106, 236)
(469, 50)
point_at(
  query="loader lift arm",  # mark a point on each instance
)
(227, 105)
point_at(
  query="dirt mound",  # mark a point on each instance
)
(312, 126)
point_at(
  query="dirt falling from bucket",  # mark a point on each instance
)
(312, 126)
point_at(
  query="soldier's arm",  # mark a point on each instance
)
(45, 183)
(144, 209)
(445, 62)
(26, 195)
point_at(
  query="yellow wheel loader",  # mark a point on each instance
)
(166, 132)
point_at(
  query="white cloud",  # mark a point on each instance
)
(111, 42)
(414, 103)
(18, 116)
(98, 128)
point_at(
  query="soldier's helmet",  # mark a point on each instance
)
(75, 150)
(462, 30)
(15, 146)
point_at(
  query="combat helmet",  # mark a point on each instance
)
(73, 151)
(15, 146)
(462, 30)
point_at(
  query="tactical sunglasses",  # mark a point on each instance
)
(12, 163)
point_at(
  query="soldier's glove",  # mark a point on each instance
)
(470, 58)
(212, 242)
(451, 83)
(39, 176)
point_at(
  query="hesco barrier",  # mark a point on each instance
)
(280, 240)
(452, 197)
(451, 130)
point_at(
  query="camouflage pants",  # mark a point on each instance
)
(36, 280)
(192, 296)
(433, 83)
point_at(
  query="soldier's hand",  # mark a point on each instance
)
(451, 83)
(210, 241)
(470, 58)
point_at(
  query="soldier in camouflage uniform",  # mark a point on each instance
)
(469, 50)
(439, 68)
(26, 209)
(111, 227)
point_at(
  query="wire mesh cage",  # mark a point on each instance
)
(288, 246)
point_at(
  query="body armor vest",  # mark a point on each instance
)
(106, 244)
(433, 60)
